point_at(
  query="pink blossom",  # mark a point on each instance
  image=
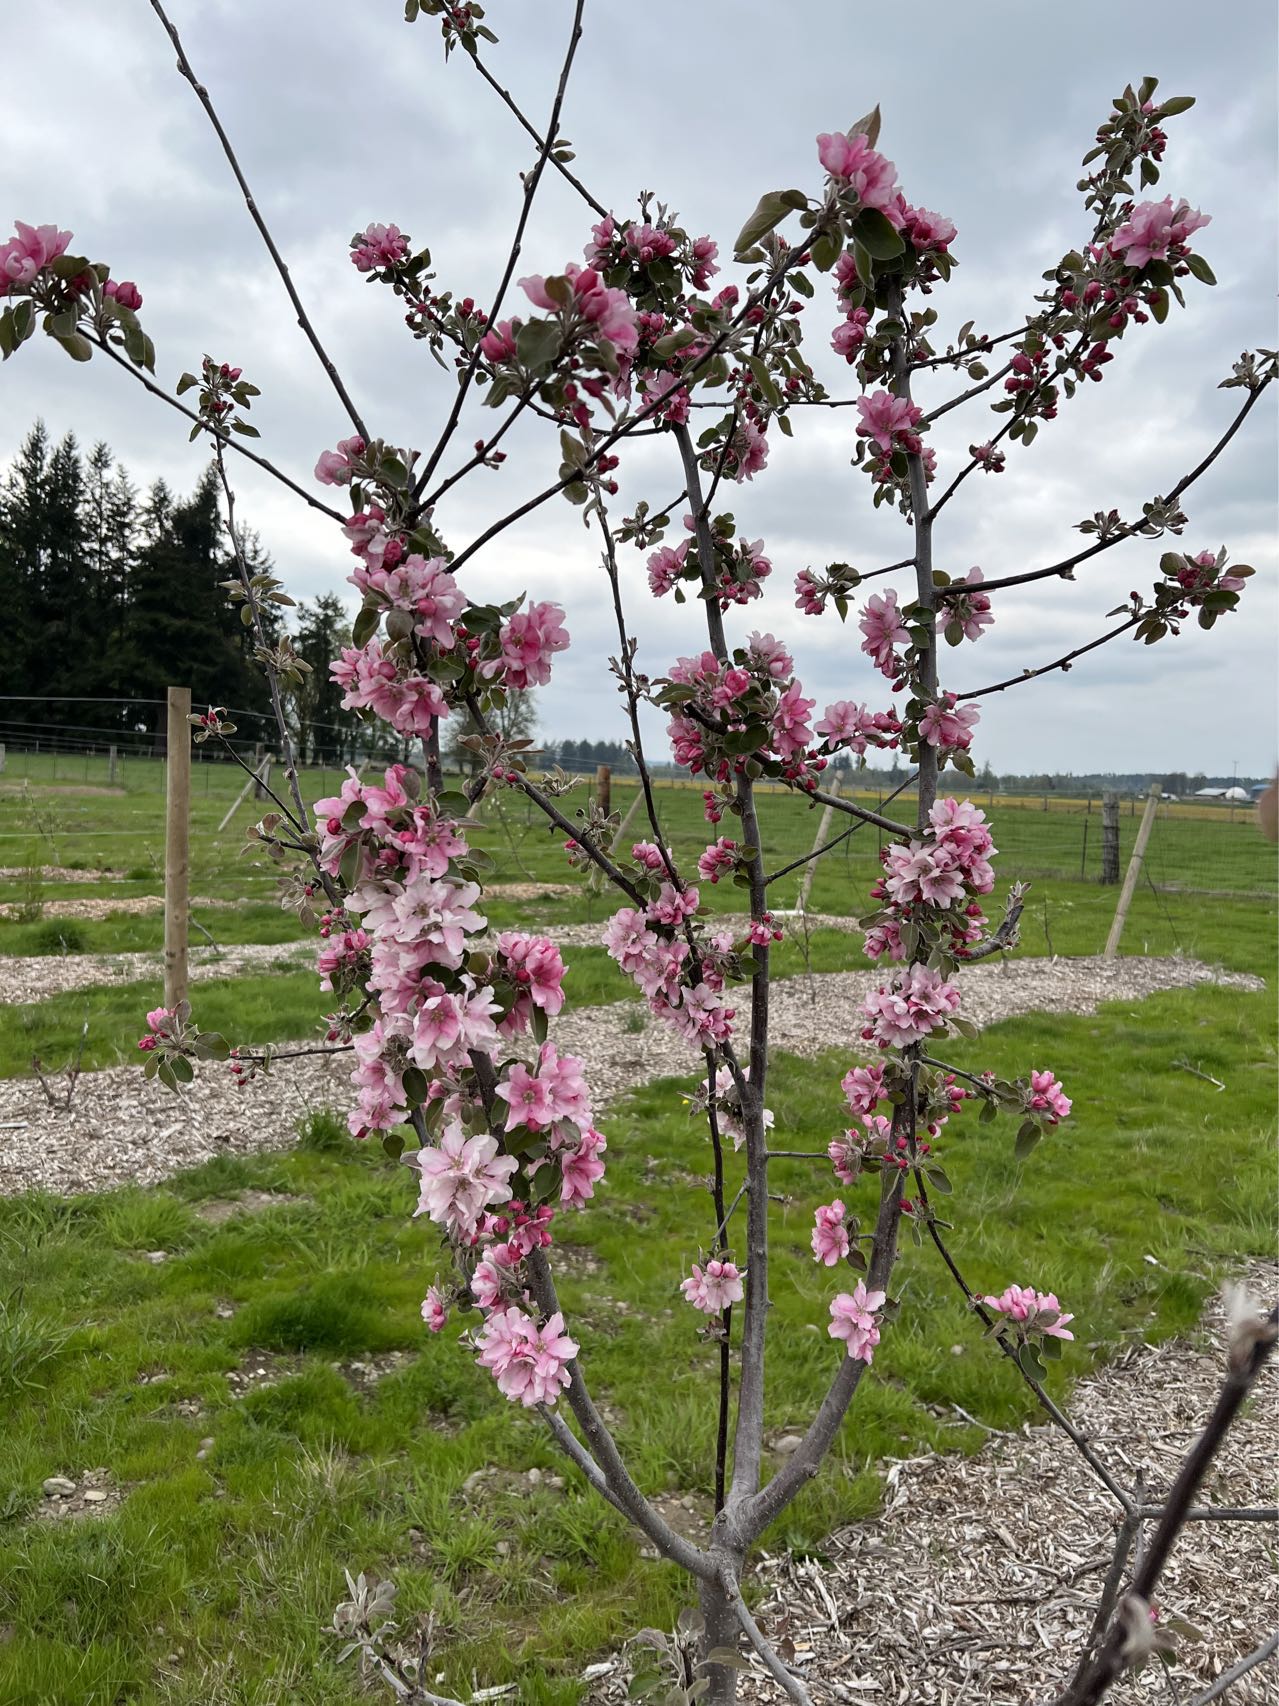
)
(791, 729)
(849, 336)
(1037, 1311)
(492, 1276)
(528, 1362)
(717, 861)
(1047, 1096)
(748, 452)
(970, 610)
(881, 623)
(581, 1168)
(434, 1310)
(34, 246)
(665, 567)
(830, 1235)
(851, 160)
(852, 1318)
(461, 1176)
(704, 253)
(889, 421)
(928, 231)
(498, 343)
(528, 1102)
(126, 293)
(845, 724)
(378, 246)
(989, 458)
(769, 657)
(609, 312)
(948, 727)
(1155, 227)
(915, 1003)
(649, 855)
(530, 639)
(918, 872)
(566, 1092)
(533, 963)
(717, 1287)
(863, 1086)
(673, 905)
(334, 466)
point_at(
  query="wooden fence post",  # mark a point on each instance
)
(177, 831)
(1110, 838)
(259, 755)
(603, 788)
(110, 767)
(823, 830)
(252, 786)
(1134, 870)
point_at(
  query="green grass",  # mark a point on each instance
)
(323, 1470)
(108, 1360)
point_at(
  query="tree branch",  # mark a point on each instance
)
(1048, 668)
(202, 95)
(530, 191)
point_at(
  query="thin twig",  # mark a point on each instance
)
(202, 95)
(1228, 1678)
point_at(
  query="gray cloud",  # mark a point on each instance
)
(342, 115)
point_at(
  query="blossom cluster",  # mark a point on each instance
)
(738, 572)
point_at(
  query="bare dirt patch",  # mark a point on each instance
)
(90, 1493)
(218, 1210)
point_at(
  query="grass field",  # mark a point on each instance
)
(111, 1362)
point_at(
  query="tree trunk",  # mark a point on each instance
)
(721, 1631)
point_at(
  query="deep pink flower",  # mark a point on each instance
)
(1047, 1096)
(1035, 1311)
(125, 293)
(434, 1311)
(791, 729)
(378, 246)
(912, 1005)
(863, 1086)
(530, 639)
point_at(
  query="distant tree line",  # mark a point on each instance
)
(111, 594)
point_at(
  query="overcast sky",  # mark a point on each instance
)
(344, 114)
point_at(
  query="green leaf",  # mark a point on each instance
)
(245, 430)
(939, 1180)
(1201, 270)
(212, 1045)
(393, 1143)
(182, 1069)
(365, 625)
(417, 1085)
(540, 1026)
(1028, 1136)
(764, 379)
(877, 235)
(77, 347)
(1176, 104)
(825, 252)
(537, 343)
(770, 210)
(186, 382)
(1159, 307)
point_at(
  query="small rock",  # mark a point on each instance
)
(95, 1496)
(534, 1477)
(788, 1443)
(156, 1257)
(556, 1481)
(956, 1350)
(503, 1549)
(475, 1480)
(58, 1487)
(224, 1311)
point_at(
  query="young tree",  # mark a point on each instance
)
(450, 1032)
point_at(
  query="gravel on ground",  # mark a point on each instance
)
(121, 1128)
(978, 1581)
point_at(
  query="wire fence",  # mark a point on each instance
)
(68, 804)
